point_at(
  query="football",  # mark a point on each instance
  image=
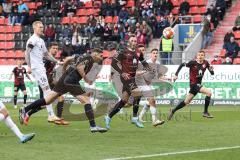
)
(168, 33)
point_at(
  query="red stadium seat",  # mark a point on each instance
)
(130, 3)
(2, 45)
(17, 29)
(9, 37)
(201, 2)
(91, 12)
(222, 53)
(3, 54)
(81, 12)
(115, 19)
(65, 20)
(194, 10)
(237, 34)
(3, 62)
(2, 37)
(6, 21)
(11, 62)
(106, 54)
(39, 4)
(74, 19)
(89, 4)
(10, 54)
(197, 18)
(2, 21)
(9, 29)
(82, 20)
(32, 5)
(175, 10)
(2, 29)
(236, 61)
(175, 3)
(203, 10)
(9, 45)
(19, 54)
(192, 2)
(108, 19)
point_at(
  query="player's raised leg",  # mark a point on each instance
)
(208, 94)
(153, 110)
(144, 110)
(5, 117)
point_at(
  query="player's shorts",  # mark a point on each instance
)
(195, 88)
(69, 82)
(147, 91)
(41, 77)
(128, 85)
(2, 106)
(22, 87)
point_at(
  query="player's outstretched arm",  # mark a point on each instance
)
(66, 62)
(144, 63)
(210, 68)
(49, 57)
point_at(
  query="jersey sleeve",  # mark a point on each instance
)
(31, 43)
(24, 70)
(189, 64)
(14, 70)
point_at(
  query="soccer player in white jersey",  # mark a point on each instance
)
(5, 117)
(35, 51)
(157, 74)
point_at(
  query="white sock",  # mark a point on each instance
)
(153, 111)
(10, 124)
(49, 107)
(91, 99)
(1, 116)
(143, 111)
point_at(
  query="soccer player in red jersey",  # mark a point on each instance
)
(19, 83)
(197, 70)
(128, 59)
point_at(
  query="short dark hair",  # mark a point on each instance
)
(154, 49)
(53, 44)
(140, 46)
(201, 51)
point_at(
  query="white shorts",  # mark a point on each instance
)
(2, 106)
(41, 78)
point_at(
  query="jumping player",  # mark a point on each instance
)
(128, 59)
(5, 117)
(69, 82)
(197, 70)
(19, 83)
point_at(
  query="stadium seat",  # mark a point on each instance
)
(81, 12)
(2, 45)
(17, 29)
(2, 21)
(88, 4)
(74, 19)
(192, 2)
(9, 37)
(175, 3)
(3, 62)
(82, 20)
(175, 10)
(197, 18)
(108, 19)
(236, 61)
(9, 45)
(194, 10)
(6, 21)
(91, 12)
(130, 3)
(237, 34)
(106, 54)
(2, 37)
(65, 20)
(38, 4)
(115, 19)
(201, 2)
(10, 54)
(18, 37)
(2, 54)
(49, 20)
(11, 62)
(2, 29)
(203, 10)
(57, 20)
(18, 45)
(25, 29)
(32, 5)
(25, 36)
(9, 29)
(222, 53)
(19, 54)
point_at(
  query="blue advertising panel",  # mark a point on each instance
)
(187, 32)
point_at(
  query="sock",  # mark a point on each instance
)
(91, 99)
(15, 100)
(153, 111)
(144, 111)
(90, 115)
(49, 107)
(136, 106)
(179, 106)
(60, 109)
(207, 101)
(35, 110)
(117, 108)
(1, 117)
(10, 124)
(25, 99)
(40, 92)
(35, 105)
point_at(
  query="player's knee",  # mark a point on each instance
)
(187, 102)
(5, 112)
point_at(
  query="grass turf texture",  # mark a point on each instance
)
(124, 139)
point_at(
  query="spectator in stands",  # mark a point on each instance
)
(142, 37)
(232, 48)
(133, 16)
(227, 36)
(22, 6)
(157, 4)
(166, 48)
(221, 8)
(114, 8)
(167, 7)
(207, 32)
(107, 32)
(7, 8)
(214, 15)
(123, 15)
(33, 17)
(184, 8)
(13, 18)
(71, 7)
(101, 20)
(49, 34)
(104, 9)
(67, 49)
(237, 23)
(229, 3)
(146, 29)
(24, 17)
(67, 32)
(228, 61)
(216, 60)
(63, 9)
(99, 30)
(152, 21)
(91, 24)
(161, 24)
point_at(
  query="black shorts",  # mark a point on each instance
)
(20, 86)
(128, 85)
(69, 82)
(195, 88)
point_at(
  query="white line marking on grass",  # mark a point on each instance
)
(175, 153)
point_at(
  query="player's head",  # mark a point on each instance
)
(53, 48)
(201, 55)
(154, 54)
(97, 55)
(19, 63)
(132, 42)
(38, 28)
(142, 49)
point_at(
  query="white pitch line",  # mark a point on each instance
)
(174, 153)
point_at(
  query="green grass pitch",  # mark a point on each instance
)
(75, 142)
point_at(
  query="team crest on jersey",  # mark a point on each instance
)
(134, 61)
(204, 65)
